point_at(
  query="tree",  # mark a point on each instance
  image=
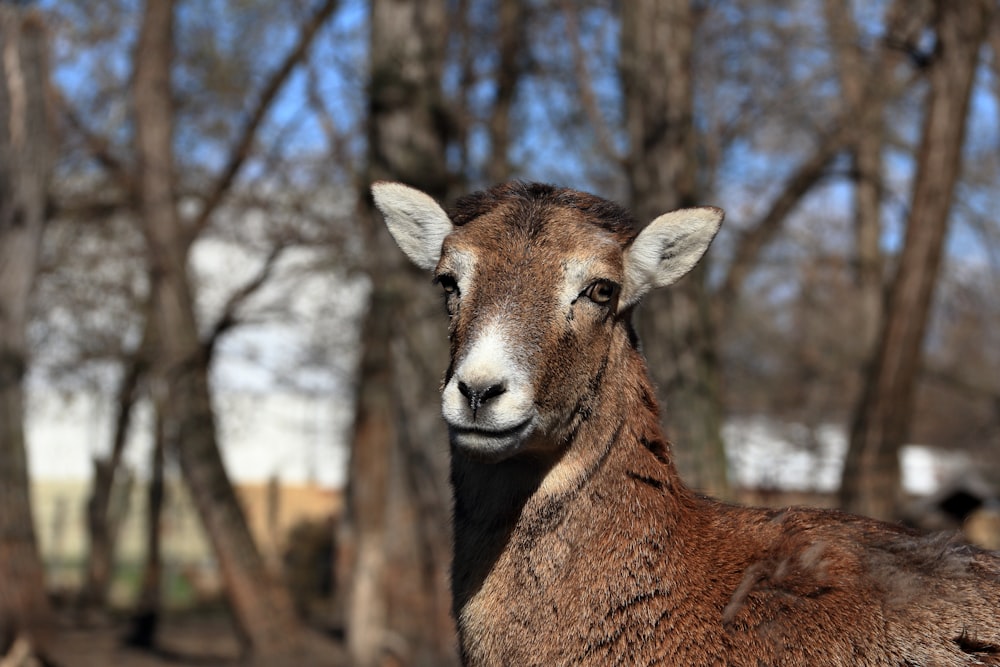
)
(26, 157)
(101, 526)
(512, 21)
(395, 527)
(234, 119)
(866, 155)
(146, 616)
(262, 608)
(871, 481)
(663, 174)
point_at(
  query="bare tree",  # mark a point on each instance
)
(146, 616)
(395, 529)
(262, 608)
(26, 158)
(871, 481)
(657, 44)
(867, 158)
(858, 77)
(513, 58)
(101, 525)
(111, 156)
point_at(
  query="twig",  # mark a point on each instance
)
(588, 97)
(229, 318)
(241, 148)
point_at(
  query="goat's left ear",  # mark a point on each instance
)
(666, 249)
(415, 220)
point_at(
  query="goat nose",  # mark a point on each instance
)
(476, 396)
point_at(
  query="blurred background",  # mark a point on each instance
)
(220, 438)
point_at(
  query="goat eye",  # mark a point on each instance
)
(601, 292)
(447, 283)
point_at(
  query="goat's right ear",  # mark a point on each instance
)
(415, 220)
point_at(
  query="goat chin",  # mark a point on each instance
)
(493, 446)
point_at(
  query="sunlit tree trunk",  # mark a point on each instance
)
(396, 534)
(656, 50)
(871, 482)
(26, 154)
(261, 607)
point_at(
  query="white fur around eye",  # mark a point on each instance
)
(574, 280)
(461, 265)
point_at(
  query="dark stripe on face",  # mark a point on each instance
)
(583, 409)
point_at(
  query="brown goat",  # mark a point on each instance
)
(575, 540)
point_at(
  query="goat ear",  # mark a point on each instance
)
(666, 249)
(415, 220)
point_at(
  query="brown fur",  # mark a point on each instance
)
(588, 549)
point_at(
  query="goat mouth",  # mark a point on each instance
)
(489, 443)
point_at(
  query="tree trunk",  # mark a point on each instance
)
(146, 616)
(656, 49)
(396, 530)
(511, 28)
(871, 482)
(858, 77)
(101, 525)
(262, 609)
(26, 154)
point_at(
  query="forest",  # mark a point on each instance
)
(185, 213)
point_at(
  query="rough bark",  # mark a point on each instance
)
(262, 609)
(26, 156)
(656, 50)
(871, 482)
(395, 533)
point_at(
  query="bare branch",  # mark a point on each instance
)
(335, 140)
(461, 25)
(588, 98)
(844, 128)
(229, 318)
(241, 148)
(751, 244)
(88, 211)
(99, 147)
(993, 40)
(960, 382)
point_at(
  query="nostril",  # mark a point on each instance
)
(476, 397)
(493, 391)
